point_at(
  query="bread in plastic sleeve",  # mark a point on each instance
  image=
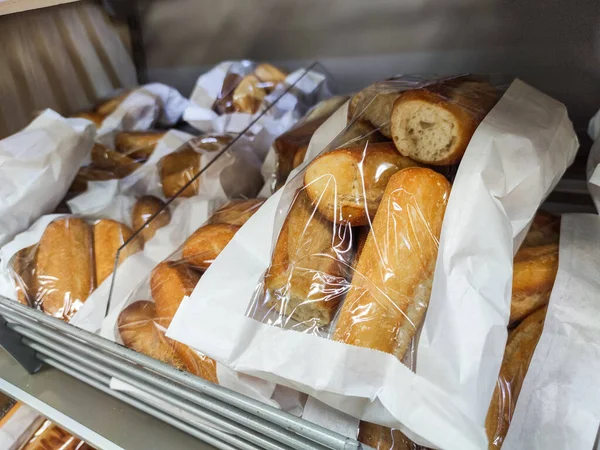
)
(545, 229)
(109, 236)
(269, 76)
(391, 284)
(534, 273)
(138, 145)
(23, 268)
(248, 95)
(144, 208)
(205, 244)
(170, 281)
(196, 363)
(374, 105)
(384, 438)
(64, 267)
(347, 184)
(52, 437)
(517, 356)
(107, 159)
(177, 169)
(139, 331)
(307, 276)
(86, 174)
(236, 212)
(224, 102)
(434, 124)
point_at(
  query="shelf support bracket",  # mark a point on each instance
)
(10, 340)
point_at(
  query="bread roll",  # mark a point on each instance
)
(534, 272)
(517, 356)
(206, 243)
(383, 438)
(177, 169)
(374, 105)
(138, 145)
(109, 236)
(434, 125)
(236, 212)
(52, 437)
(392, 282)
(144, 208)
(96, 118)
(109, 105)
(23, 267)
(347, 184)
(170, 281)
(140, 332)
(307, 276)
(545, 229)
(64, 267)
(107, 159)
(248, 95)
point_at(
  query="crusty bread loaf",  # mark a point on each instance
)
(52, 437)
(545, 229)
(517, 356)
(145, 207)
(347, 184)
(307, 276)
(236, 212)
(170, 281)
(109, 236)
(177, 169)
(109, 105)
(107, 159)
(138, 145)
(64, 267)
(383, 438)
(23, 268)
(534, 272)
(96, 118)
(206, 243)
(392, 281)
(248, 95)
(434, 125)
(140, 332)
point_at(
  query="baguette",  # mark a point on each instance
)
(139, 331)
(545, 229)
(434, 125)
(517, 356)
(23, 268)
(170, 281)
(307, 276)
(144, 208)
(206, 243)
(109, 236)
(534, 272)
(383, 438)
(138, 145)
(236, 212)
(347, 184)
(107, 159)
(64, 267)
(391, 285)
(179, 168)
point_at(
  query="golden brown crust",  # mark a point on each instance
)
(248, 95)
(64, 267)
(434, 125)
(347, 184)
(236, 212)
(138, 145)
(109, 236)
(209, 143)
(24, 267)
(517, 356)
(177, 169)
(96, 118)
(109, 105)
(196, 363)
(392, 282)
(88, 173)
(545, 229)
(383, 438)
(170, 281)
(534, 272)
(52, 437)
(307, 276)
(107, 159)
(139, 331)
(269, 76)
(206, 243)
(144, 208)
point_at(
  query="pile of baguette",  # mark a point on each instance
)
(143, 323)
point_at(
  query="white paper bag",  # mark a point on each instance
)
(37, 166)
(513, 161)
(559, 403)
(593, 163)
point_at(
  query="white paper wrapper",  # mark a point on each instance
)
(19, 427)
(559, 403)
(147, 106)
(37, 166)
(593, 164)
(309, 89)
(513, 161)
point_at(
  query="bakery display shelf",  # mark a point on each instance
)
(213, 414)
(16, 6)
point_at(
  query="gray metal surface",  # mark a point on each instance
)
(214, 414)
